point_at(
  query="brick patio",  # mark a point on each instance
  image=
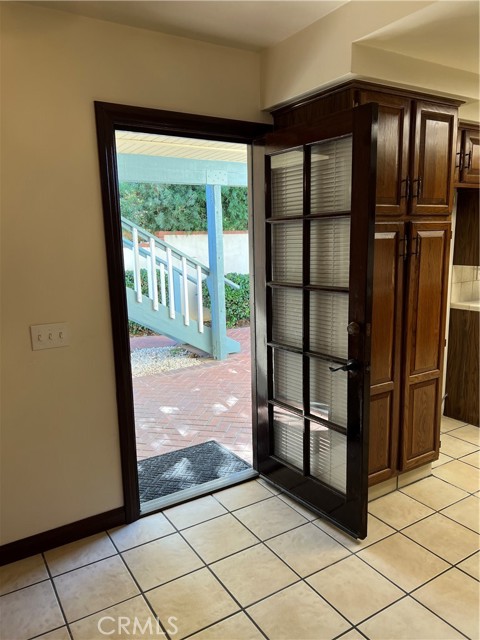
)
(211, 401)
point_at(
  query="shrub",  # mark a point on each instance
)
(237, 301)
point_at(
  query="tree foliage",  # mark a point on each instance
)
(179, 207)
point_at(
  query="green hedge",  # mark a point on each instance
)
(237, 301)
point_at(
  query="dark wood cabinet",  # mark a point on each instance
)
(426, 300)
(408, 337)
(467, 169)
(385, 375)
(462, 402)
(415, 155)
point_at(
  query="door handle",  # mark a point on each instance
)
(350, 365)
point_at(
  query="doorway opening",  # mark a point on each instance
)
(185, 243)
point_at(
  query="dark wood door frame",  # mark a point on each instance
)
(109, 118)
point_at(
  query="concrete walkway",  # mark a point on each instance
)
(212, 401)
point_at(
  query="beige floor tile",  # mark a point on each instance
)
(307, 549)
(454, 596)
(94, 587)
(455, 447)
(138, 622)
(268, 485)
(157, 562)
(442, 459)
(143, 530)
(302, 510)
(407, 620)
(238, 627)
(466, 512)
(354, 589)
(22, 573)
(448, 539)
(194, 512)
(253, 574)
(461, 475)
(297, 612)
(472, 565)
(398, 510)
(269, 518)
(377, 530)
(447, 424)
(403, 561)
(242, 495)
(218, 538)
(435, 493)
(196, 601)
(29, 612)
(79, 553)
(472, 459)
(470, 433)
(58, 634)
(352, 635)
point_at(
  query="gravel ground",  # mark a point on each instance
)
(157, 359)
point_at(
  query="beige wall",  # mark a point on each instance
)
(338, 48)
(60, 451)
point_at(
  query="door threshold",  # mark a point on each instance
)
(196, 492)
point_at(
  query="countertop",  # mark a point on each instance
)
(466, 305)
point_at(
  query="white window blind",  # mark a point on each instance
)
(328, 456)
(328, 392)
(288, 437)
(287, 184)
(288, 377)
(287, 251)
(328, 323)
(331, 176)
(330, 252)
(287, 318)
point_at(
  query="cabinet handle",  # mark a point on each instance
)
(469, 163)
(416, 239)
(407, 188)
(419, 182)
(460, 161)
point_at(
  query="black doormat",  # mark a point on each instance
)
(178, 470)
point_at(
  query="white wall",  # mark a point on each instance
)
(337, 48)
(60, 452)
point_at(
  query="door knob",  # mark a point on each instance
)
(353, 329)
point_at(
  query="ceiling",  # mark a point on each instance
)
(445, 32)
(149, 144)
(246, 24)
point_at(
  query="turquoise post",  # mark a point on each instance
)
(215, 282)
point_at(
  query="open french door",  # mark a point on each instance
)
(314, 207)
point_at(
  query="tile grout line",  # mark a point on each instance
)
(57, 596)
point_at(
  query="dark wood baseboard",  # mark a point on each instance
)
(61, 535)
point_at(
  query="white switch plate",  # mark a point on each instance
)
(49, 336)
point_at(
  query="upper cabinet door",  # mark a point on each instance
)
(433, 158)
(393, 182)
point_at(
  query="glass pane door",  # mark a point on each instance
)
(312, 426)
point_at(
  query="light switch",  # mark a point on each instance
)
(49, 336)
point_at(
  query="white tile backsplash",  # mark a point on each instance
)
(465, 283)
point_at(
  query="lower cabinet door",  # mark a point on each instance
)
(426, 299)
(388, 272)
